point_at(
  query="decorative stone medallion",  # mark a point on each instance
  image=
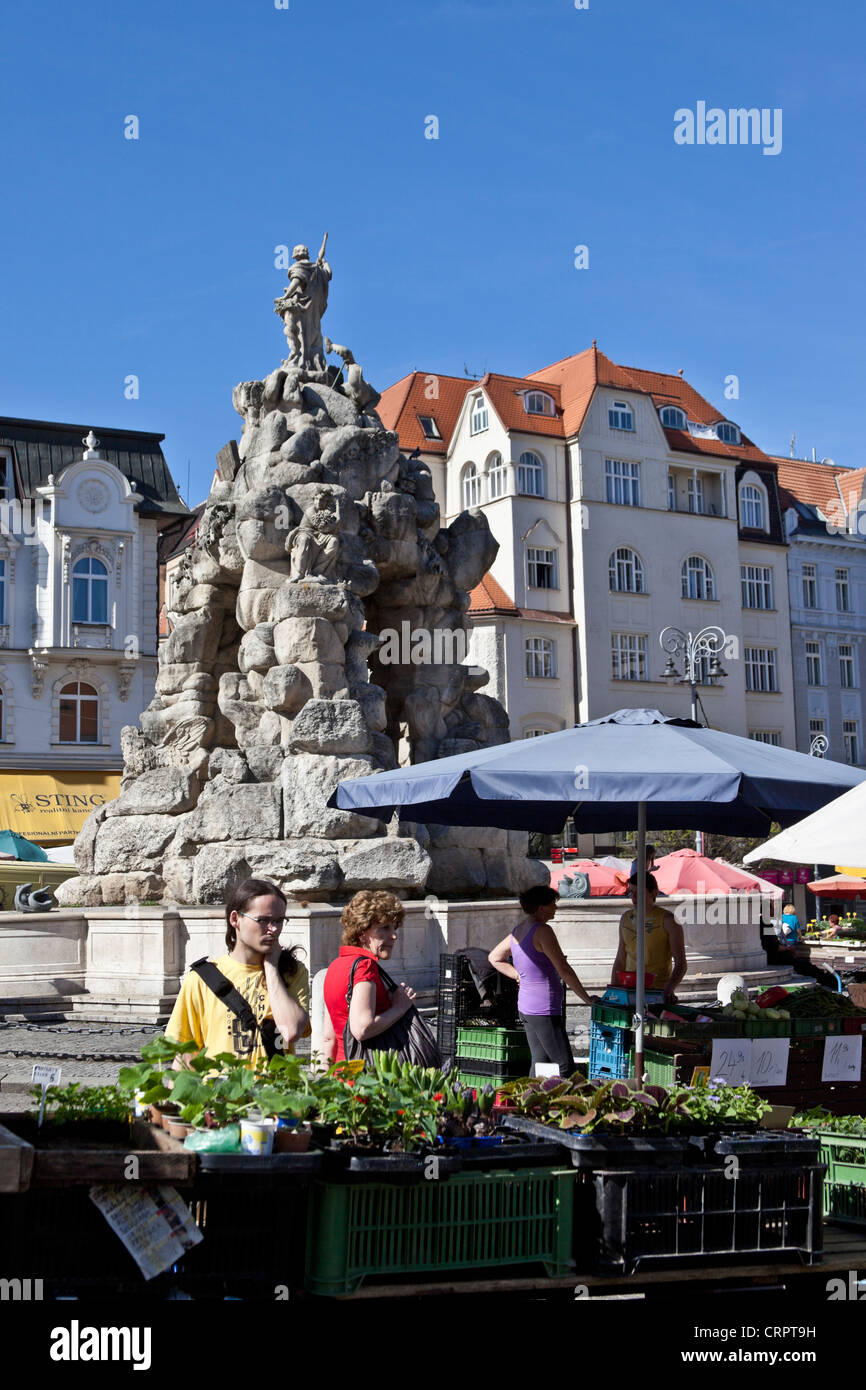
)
(93, 496)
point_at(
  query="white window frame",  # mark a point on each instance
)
(842, 580)
(696, 568)
(530, 469)
(672, 493)
(90, 578)
(815, 663)
(756, 583)
(695, 494)
(773, 737)
(725, 426)
(681, 422)
(755, 503)
(809, 575)
(479, 418)
(628, 653)
(77, 698)
(817, 728)
(497, 477)
(470, 487)
(618, 413)
(540, 657)
(762, 672)
(538, 403)
(541, 560)
(847, 667)
(2, 591)
(427, 435)
(536, 732)
(626, 565)
(851, 740)
(622, 482)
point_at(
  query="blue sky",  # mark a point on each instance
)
(260, 127)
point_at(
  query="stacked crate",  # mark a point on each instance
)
(491, 1056)
(459, 1002)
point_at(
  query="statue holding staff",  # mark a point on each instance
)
(301, 306)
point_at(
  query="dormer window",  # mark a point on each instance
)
(7, 482)
(673, 418)
(478, 418)
(538, 403)
(620, 417)
(727, 432)
(429, 426)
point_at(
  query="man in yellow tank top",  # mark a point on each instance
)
(665, 946)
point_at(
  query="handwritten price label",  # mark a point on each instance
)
(731, 1059)
(769, 1061)
(843, 1058)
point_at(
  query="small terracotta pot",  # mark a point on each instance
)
(155, 1116)
(166, 1118)
(291, 1141)
(178, 1129)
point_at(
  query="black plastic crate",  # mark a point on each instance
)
(652, 1217)
(459, 998)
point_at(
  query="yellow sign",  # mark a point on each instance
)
(51, 809)
(852, 873)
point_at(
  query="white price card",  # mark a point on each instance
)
(546, 1069)
(43, 1075)
(732, 1060)
(843, 1058)
(769, 1061)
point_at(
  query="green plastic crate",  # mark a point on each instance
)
(473, 1221)
(845, 1180)
(612, 1015)
(480, 1080)
(507, 1045)
(815, 1027)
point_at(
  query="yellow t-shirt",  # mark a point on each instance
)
(201, 1015)
(659, 957)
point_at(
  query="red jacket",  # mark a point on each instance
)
(337, 983)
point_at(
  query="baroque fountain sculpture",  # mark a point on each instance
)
(317, 534)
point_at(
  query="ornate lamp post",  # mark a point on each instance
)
(687, 652)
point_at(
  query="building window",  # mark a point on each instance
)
(695, 492)
(761, 668)
(429, 426)
(851, 739)
(847, 678)
(79, 713)
(843, 592)
(751, 507)
(538, 403)
(814, 664)
(771, 736)
(478, 418)
(496, 476)
(810, 586)
(2, 591)
(625, 571)
(619, 416)
(727, 433)
(541, 567)
(672, 493)
(697, 578)
(622, 482)
(756, 584)
(540, 658)
(673, 418)
(471, 486)
(817, 728)
(628, 656)
(536, 733)
(89, 592)
(530, 474)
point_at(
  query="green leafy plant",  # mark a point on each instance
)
(77, 1104)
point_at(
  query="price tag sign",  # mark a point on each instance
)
(732, 1060)
(769, 1061)
(44, 1075)
(843, 1058)
(546, 1069)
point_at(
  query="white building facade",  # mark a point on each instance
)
(79, 526)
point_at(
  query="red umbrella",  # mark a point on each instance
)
(839, 886)
(604, 882)
(686, 871)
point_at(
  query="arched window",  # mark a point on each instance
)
(2, 591)
(673, 418)
(625, 569)
(751, 507)
(530, 474)
(79, 713)
(727, 432)
(471, 486)
(697, 576)
(538, 403)
(89, 591)
(496, 476)
(478, 418)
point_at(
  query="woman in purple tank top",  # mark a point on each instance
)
(532, 955)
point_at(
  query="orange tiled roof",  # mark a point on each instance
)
(821, 485)
(490, 597)
(402, 403)
(506, 396)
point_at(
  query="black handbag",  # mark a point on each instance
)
(409, 1037)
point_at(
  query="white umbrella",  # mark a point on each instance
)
(834, 835)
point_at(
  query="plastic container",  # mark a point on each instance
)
(505, 1045)
(604, 1150)
(609, 1051)
(257, 1137)
(845, 1181)
(628, 979)
(613, 1015)
(476, 1220)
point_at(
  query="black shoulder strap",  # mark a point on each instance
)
(225, 990)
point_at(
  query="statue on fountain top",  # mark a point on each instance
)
(301, 307)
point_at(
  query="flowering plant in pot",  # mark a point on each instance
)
(152, 1079)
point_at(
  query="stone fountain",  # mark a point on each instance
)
(317, 535)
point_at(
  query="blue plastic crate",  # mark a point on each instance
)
(609, 1050)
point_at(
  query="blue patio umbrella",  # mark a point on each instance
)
(19, 847)
(632, 769)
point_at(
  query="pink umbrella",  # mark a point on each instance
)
(604, 882)
(686, 871)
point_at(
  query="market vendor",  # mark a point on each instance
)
(254, 1000)
(665, 945)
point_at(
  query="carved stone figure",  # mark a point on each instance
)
(314, 546)
(302, 305)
